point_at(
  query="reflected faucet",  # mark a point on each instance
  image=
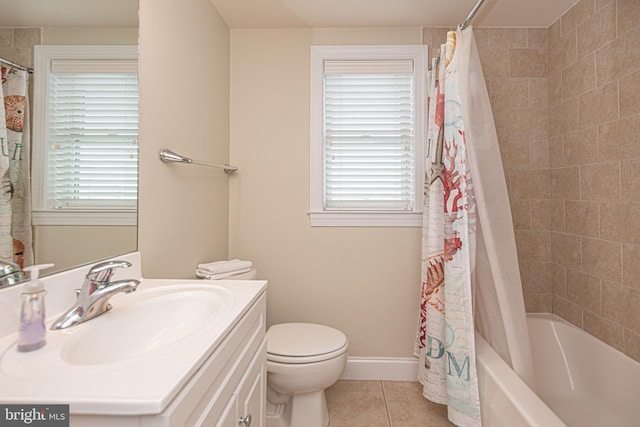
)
(93, 297)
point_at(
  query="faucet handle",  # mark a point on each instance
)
(103, 271)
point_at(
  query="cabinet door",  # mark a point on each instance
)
(228, 417)
(252, 392)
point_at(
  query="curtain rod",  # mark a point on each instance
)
(18, 66)
(471, 14)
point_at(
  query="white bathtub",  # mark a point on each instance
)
(581, 381)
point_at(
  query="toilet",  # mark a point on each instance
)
(303, 359)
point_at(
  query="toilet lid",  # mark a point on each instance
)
(306, 341)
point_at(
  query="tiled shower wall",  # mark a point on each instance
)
(16, 44)
(566, 103)
(594, 116)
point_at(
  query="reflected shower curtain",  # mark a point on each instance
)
(15, 201)
(465, 194)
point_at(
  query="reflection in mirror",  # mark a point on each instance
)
(24, 25)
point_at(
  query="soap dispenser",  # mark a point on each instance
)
(32, 332)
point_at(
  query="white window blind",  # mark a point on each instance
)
(92, 134)
(369, 135)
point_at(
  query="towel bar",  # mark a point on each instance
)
(168, 156)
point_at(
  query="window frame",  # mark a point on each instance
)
(41, 215)
(364, 218)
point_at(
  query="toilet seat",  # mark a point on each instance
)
(297, 343)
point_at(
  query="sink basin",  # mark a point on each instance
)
(145, 321)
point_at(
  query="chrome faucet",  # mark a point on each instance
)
(93, 297)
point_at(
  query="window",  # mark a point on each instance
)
(367, 135)
(85, 145)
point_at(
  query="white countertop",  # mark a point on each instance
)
(135, 386)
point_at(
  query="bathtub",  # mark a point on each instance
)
(581, 381)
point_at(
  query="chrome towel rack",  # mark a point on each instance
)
(168, 156)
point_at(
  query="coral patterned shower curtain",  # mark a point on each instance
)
(468, 245)
(15, 200)
(445, 341)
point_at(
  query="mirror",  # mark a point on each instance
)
(27, 23)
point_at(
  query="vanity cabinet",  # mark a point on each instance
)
(227, 390)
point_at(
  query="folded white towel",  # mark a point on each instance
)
(219, 267)
(203, 274)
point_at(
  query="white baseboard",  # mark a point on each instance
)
(389, 369)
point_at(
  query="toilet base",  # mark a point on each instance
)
(301, 410)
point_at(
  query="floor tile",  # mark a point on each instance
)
(382, 404)
(408, 408)
(356, 404)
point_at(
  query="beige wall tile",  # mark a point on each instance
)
(584, 290)
(507, 38)
(515, 153)
(482, 36)
(536, 278)
(529, 123)
(538, 303)
(540, 214)
(495, 63)
(528, 63)
(582, 218)
(565, 250)
(579, 77)
(618, 58)
(620, 305)
(630, 180)
(597, 31)
(569, 311)
(26, 38)
(564, 117)
(436, 36)
(533, 246)
(632, 344)
(558, 279)
(556, 151)
(539, 153)
(555, 88)
(6, 38)
(512, 93)
(557, 215)
(629, 87)
(619, 221)
(521, 214)
(628, 15)
(565, 183)
(537, 37)
(603, 329)
(539, 93)
(599, 105)
(602, 258)
(600, 181)
(579, 13)
(619, 140)
(530, 184)
(581, 147)
(631, 266)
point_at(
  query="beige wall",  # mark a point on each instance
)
(184, 105)
(594, 80)
(364, 281)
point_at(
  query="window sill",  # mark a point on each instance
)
(365, 219)
(85, 217)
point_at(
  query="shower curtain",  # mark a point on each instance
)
(470, 276)
(15, 201)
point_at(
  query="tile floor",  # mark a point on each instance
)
(382, 404)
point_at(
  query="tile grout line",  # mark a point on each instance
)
(386, 405)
